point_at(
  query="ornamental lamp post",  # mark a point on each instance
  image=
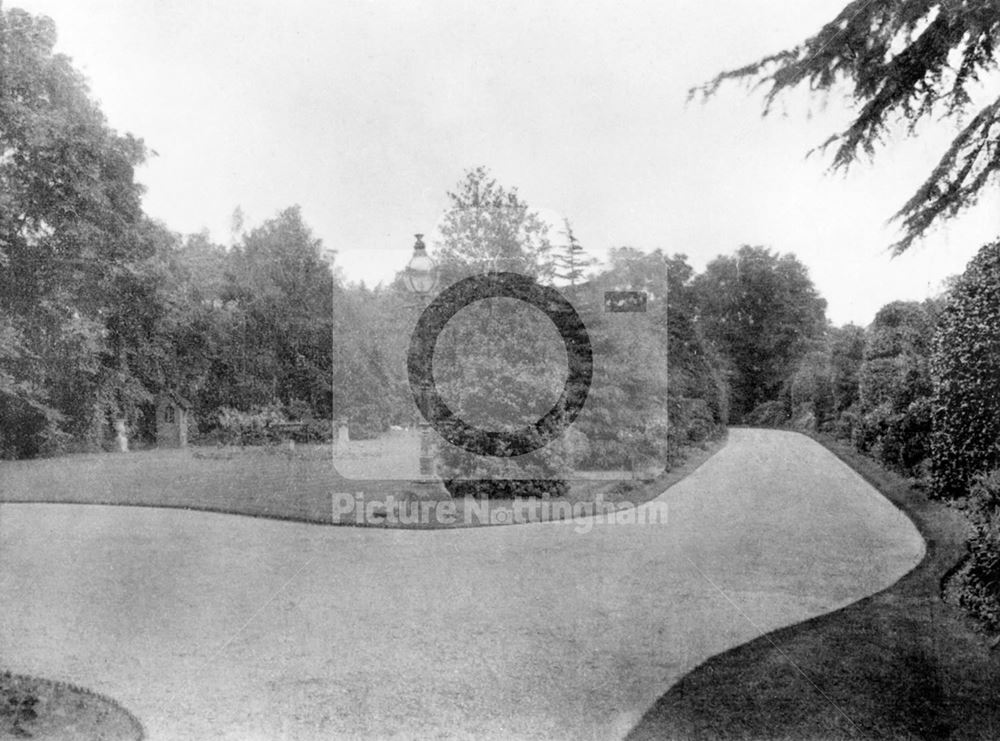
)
(421, 278)
(421, 273)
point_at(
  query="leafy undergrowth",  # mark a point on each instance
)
(40, 709)
(901, 664)
(975, 585)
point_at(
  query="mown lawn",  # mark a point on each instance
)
(900, 664)
(264, 482)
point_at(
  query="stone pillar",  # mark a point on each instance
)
(121, 435)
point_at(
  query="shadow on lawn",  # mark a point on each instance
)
(898, 664)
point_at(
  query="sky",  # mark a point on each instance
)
(366, 113)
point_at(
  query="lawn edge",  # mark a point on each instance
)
(696, 456)
(943, 532)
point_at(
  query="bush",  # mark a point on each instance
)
(907, 443)
(966, 370)
(899, 440)
(54, 441)
(257, 427)
(506, 488)
(315, 431)
(844, 425)
(768, 414)
(978, 581)
(17, 703)
(868, 431)
(809, 390)
(312, 430)
(488, 477)
(698, 421)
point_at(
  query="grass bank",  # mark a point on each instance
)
(901, 664)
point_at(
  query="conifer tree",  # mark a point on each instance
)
(903, 60)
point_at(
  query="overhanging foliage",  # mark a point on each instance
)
(903, 61)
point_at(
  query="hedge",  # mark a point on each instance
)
(965, 366)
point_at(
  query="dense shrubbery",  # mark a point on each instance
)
(694, 420)
(894, 386)
(821, 393)
(698, 391)
(251, 428)
(919, 390)
(769, 414)
(807, 397)
(872, 387)
(539, 473)
(978, 580)
(966, 368)
(847, 350)
(271, 424)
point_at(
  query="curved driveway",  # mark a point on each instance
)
(214, 626)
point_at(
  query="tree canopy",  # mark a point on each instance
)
(903, 60)
(762, 310)
(491, 228)
(72, 234)
(102, 310)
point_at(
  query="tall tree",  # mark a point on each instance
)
(763, 311)
(909, 60)
(199, 334)
(499, 363)
(847, 348)
(283, 292)
(490, 228)
(572, 260)
(71, 235)
(655, 386)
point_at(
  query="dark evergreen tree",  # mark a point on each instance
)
(910, 61)
(572, 262)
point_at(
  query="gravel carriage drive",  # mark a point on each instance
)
(215, 626)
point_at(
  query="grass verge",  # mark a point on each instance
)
(900, 664)
(41, 709)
